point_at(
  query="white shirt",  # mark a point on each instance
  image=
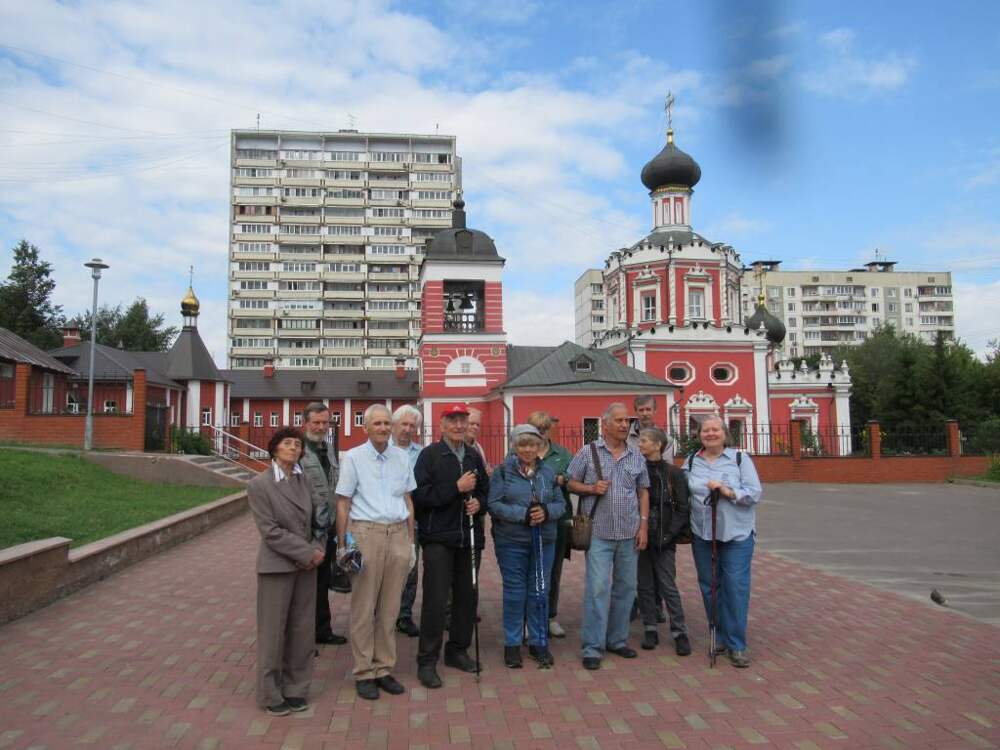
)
(376, 483)
(279, 473)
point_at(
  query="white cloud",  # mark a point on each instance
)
(841, 71)
(534, 319)
(977, 313)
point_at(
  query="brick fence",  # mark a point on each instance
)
(875, 467)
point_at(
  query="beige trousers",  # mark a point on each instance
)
(286, 613)
(375, 593)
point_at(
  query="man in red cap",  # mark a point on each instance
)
(452, 485)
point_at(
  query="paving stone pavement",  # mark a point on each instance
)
(162, 656)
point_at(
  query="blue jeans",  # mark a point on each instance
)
(609, 593)
(732, 587)
(521, 596)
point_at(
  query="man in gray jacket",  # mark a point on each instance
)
(319, 464)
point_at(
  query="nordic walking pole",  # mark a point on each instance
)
(540, 604)
(713, 498)
(475, 589)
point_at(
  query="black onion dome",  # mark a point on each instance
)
(459, 242)
(774, 327)
(671, 167)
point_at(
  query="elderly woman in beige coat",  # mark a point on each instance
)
(282, 507)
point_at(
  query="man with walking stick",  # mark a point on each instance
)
(449, 501)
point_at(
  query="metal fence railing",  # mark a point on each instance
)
(835, 441)
(980, 440)
(915, 440)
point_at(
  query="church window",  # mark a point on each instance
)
(696, 303)
(649, 307)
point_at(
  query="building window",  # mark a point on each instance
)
(336, 418)
(596, 288)
(258, 419)
(723, 372)
(359, 419)
(110, 407)
(791, 307)
(907, 292)
(274, 419)
(649, 307)
(696, 303)
(874, 293)
(875, 307)
(678, 373)
(790, 291)
(792, 322)
(234, 419)
(297, 419)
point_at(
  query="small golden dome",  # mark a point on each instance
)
(190, 304)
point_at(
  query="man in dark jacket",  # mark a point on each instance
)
(452, 485)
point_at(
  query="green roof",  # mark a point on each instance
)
(560, 367)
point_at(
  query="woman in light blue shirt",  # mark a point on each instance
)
(733, 474)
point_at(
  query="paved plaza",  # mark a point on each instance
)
(162, 655)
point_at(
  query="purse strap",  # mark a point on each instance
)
(600, 476)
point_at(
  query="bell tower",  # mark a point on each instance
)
(463, 347)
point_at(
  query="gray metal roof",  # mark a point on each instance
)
(554, 368)
(188, 358)
(14, 347)
(320, 384)
(115, 364)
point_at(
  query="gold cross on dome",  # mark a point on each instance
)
(191, 276)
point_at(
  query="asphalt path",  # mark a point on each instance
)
(907, 538)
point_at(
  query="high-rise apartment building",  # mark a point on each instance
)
(589, 301)
(327, 238)
(822, 310)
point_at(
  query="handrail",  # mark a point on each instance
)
(228, 437)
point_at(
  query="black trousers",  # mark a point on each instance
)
(447, 570)
(409, 591)
(323, 574)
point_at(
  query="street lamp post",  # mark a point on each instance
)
(96, 266)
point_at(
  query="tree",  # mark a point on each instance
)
(133, 330)
(26, 299)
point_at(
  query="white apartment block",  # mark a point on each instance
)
(589, 306)
(822, 310)
(327, 237)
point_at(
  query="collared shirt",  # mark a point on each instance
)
(617, 515)
(633, 440)
(376, 483)
(412, 451)
(735, 519)
(459, 451)
(279, 473)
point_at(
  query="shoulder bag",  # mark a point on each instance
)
(580, 533)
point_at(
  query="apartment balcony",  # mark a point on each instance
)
(402, 183)
(294, 351)
(299, 333)
(315, 255)
(388, 166)
(344, 314)
(253, 294)
(235, 351)
(344, 295)
(422, 166)
(344, 257)
(383, 314)
(296, 294)
(255, 200)
(388, 276)
(267, 163)
(288, 219)
(236, 275)
(331, 333)
(249, 332)
(307, 182)
(341, 220)
(252, 181)
(328, 201)
(302, 163)
(377, 351)
(389, 295)
(358, 183)
(430, 223)
(306, 314)
(237, 255)
(245, 237)
(431, 203)
(345, 276)
(300, 275)
(239, 312)
(300, 239)
(385, 221)
(302, 201)
(350, 351)
(388, 202)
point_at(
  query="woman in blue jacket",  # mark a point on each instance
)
(524, 495)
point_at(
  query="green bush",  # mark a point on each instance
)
(993, 472)
(191, 443)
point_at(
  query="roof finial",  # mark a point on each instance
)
(760, 274)
(668, 105)
(191, 276)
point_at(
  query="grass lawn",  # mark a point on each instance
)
(45, 494)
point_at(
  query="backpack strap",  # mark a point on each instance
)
(691, 461)
(739, 458)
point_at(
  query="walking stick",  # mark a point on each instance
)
(540, 602)
(713, 596)
(475, 590)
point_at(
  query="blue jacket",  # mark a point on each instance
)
(511, 494)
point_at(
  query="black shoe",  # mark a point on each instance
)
(721, 649)
(279, 709)
(428, 676)
(682, 645)
(542, 655)
(407, 626)
(460, 660)
(512, 657)
(297, 704)
(367, 689)
(650, 640)
(591, 662)
(390, 684)
(624, 652)
(331, 638)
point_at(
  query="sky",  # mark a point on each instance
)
(824, 131)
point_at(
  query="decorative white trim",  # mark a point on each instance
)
(680, 363)
(193, 404)
(285, 415)
(702, 402)
(348, 418)
(246, 410)
(731, 366)
(737, 402)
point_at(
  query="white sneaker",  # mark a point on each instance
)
(556, 630)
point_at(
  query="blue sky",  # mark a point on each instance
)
(823, 131)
